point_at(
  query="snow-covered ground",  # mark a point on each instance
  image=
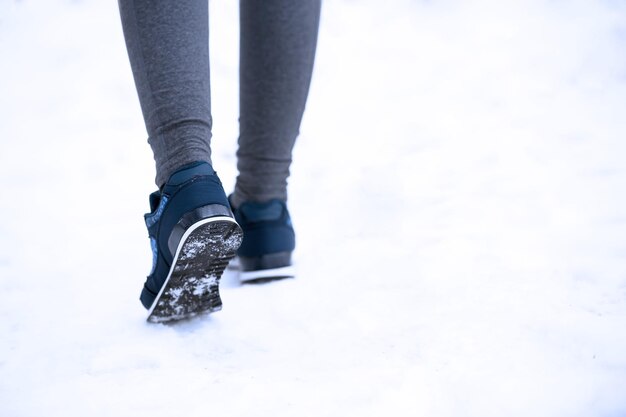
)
(459, 193)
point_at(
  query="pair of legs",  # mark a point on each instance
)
(167, 43)
(191, 227)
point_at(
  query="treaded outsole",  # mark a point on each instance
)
(192, 286)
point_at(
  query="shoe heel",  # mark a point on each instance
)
(192, 285)
(270, 266)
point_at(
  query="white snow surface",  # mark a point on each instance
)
(458, 191)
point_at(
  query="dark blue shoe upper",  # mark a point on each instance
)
(267, 228)
(190, 188)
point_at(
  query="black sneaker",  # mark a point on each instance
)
(268, 242)
(193, 236)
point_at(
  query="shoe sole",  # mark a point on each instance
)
(192, 284)
(263, 275)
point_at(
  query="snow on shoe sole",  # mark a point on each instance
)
(192, 285)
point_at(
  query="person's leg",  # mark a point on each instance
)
(168, 47)
(191, 227)
(278, 41)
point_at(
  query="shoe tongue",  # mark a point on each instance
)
(256, 212)
(187, 172)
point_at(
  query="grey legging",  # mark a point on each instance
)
(167, 42)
